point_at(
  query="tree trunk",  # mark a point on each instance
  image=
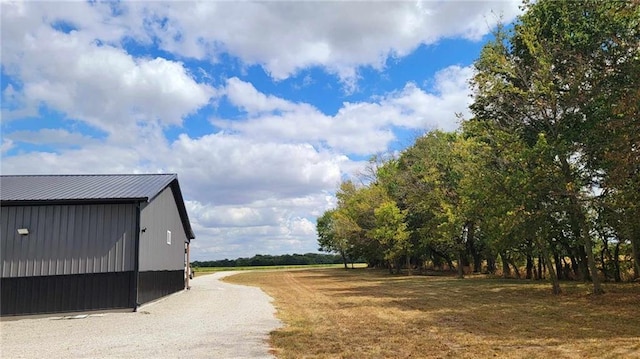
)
(515, 268)
(580, 230)
(540, 272)
(605, 253)
(566, 270)
(607, 260)
(558, 265)
(491, 264)
(578, 223)
(477, 263)
(616, 263)
(575, 267)
(588, 246)
(529, 274)
(635, 251)
(472, 246)
(583, 262)
(344, 259)
(506, 271)
(450, 264)
(555, 284)
(460, 265)
(409, 264)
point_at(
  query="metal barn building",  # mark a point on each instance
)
(91, 242)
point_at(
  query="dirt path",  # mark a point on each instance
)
(212, 320)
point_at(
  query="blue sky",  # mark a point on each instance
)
(262, 108)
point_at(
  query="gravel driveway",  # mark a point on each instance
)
(212, 320)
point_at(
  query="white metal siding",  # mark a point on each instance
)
(67, 239)
(158, 217)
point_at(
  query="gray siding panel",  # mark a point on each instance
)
(88, 189)
(158, 217)
(67, 239)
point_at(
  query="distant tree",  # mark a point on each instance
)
(329, 239)
(272, 260)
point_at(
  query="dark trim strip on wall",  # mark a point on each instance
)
(66, 293)
(156, 284)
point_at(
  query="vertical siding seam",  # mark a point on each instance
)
(67, 239)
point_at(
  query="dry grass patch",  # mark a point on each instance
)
(333, 313)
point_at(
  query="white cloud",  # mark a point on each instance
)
(224, 168)
(423, 110)
(301, 227)
(245, 96)
(286, 233)
(360, 128)
(48, 136)
(7, 144)
(285, 37)
(89, 159)
(87, 80)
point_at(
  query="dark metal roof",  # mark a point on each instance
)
(50, 189)
(82, 187)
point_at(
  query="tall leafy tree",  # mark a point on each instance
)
(331, 238)
(613, 145)
(545, 78)
(391, 231)
(431, 192)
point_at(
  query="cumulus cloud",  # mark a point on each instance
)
(285, 37)
(48, 136)
(282, 37)
(89, 159)
(7, 144)
(438, 109)
(237, 169)
(76, 73)
(245, 96)
(359, 128)
(271, 226)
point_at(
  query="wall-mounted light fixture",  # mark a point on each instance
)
(23, 231)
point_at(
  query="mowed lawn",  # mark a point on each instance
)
(363, 313)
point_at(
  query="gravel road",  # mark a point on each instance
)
(212, 320)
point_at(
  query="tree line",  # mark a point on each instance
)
(543, 181)
(273, 260)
